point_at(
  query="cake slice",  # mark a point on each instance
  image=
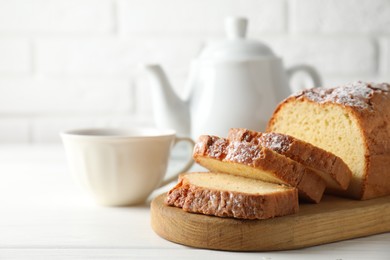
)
(351, 121)
(257, 162)
(225, 195)
(327, 165)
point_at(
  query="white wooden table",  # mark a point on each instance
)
(44, 216)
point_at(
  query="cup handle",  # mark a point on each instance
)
(187, 166)
(311, 73)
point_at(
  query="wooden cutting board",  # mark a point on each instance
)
(333, 219)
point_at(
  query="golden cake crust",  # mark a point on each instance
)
(221, 155)
(225, 203)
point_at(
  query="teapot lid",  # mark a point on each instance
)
(236, 45)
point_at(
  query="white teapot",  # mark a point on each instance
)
(233, 83)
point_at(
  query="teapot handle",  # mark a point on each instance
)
(308, 77)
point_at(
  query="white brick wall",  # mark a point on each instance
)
(111, 56)
(340, 16)
(186, 17)
(15, 57)
(56, 16)
(51, 96)
(75, 63)
(330, 55)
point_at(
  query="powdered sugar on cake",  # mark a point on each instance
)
(218, 147)
(277, 142)
(357, 94)
(242, 153)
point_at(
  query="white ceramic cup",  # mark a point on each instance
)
(121, 167)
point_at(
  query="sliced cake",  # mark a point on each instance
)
(225, 195)
(350, 121)
(257, 162)
(327, 165)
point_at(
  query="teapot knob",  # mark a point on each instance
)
(235, 27)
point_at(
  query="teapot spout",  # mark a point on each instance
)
(170, 111)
